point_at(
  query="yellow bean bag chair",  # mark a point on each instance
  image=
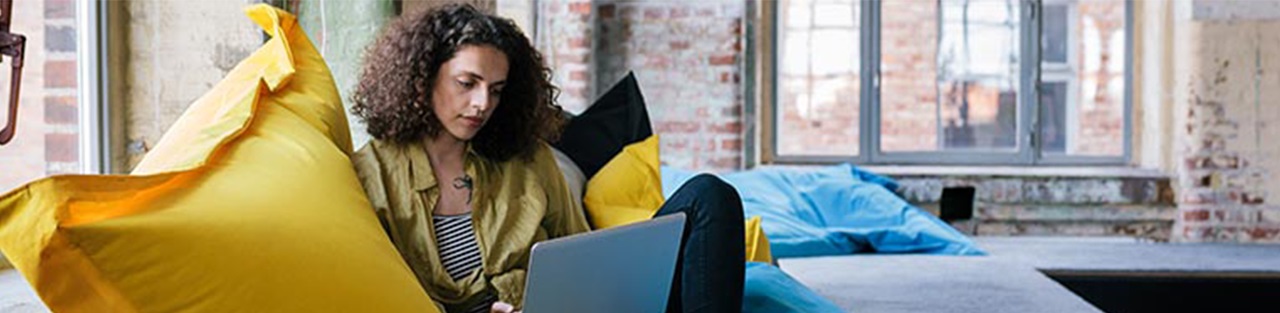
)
(247, 204)
(628, 189)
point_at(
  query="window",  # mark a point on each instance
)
(1009, 82)
(57, 117)
(817, 79)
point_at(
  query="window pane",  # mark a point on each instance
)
(1053, 116)
(47, 140)
(951, 87)
(1085, 117)
(1056, 31)
(818, 82)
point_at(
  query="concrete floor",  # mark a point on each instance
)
(1010, 279)
(16, 296)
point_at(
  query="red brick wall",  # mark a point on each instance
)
(47, 141)
(687, 59)
(61, 151)
(564, 35)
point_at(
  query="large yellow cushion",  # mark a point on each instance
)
(628, 189)
(248, 204)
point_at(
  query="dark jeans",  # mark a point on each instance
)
(709, 272)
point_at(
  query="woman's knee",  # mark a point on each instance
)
(718, 199)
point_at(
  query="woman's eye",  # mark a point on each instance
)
(466, 84)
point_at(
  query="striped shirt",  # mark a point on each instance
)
(459, 250)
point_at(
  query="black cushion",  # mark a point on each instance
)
(615, 120)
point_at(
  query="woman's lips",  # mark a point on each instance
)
(473, 121)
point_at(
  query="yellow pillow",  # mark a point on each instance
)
(248, 204)
(757, 243)
(628, 189)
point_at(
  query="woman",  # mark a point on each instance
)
(461, 108)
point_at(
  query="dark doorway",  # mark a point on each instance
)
(1175, 292)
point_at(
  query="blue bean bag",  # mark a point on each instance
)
(770, 290)
(835, 210)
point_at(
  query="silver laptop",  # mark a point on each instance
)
(623, 269)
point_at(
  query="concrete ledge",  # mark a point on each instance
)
(1065, 254)
(920, 283)
(1019, 171)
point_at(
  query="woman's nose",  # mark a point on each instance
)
(480, 100)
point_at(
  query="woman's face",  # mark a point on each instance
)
(467, 89)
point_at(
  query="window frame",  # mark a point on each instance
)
(92, 86)
(1127, 155)
(868, 10)
(1027, 152)
(1065, 72)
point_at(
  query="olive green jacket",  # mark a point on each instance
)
(516, 203)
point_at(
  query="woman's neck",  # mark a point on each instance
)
(446, 152)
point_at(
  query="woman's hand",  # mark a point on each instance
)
(502, 307)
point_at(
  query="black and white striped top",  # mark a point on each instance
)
(459, 251)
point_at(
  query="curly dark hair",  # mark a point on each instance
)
(393, 96)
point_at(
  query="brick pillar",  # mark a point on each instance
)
(1227, 157)
(61, 112)
(687, 57)
(564, 36)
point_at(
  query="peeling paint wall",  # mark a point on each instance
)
(170, 61)
(1228, 120)
(1015, 205)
